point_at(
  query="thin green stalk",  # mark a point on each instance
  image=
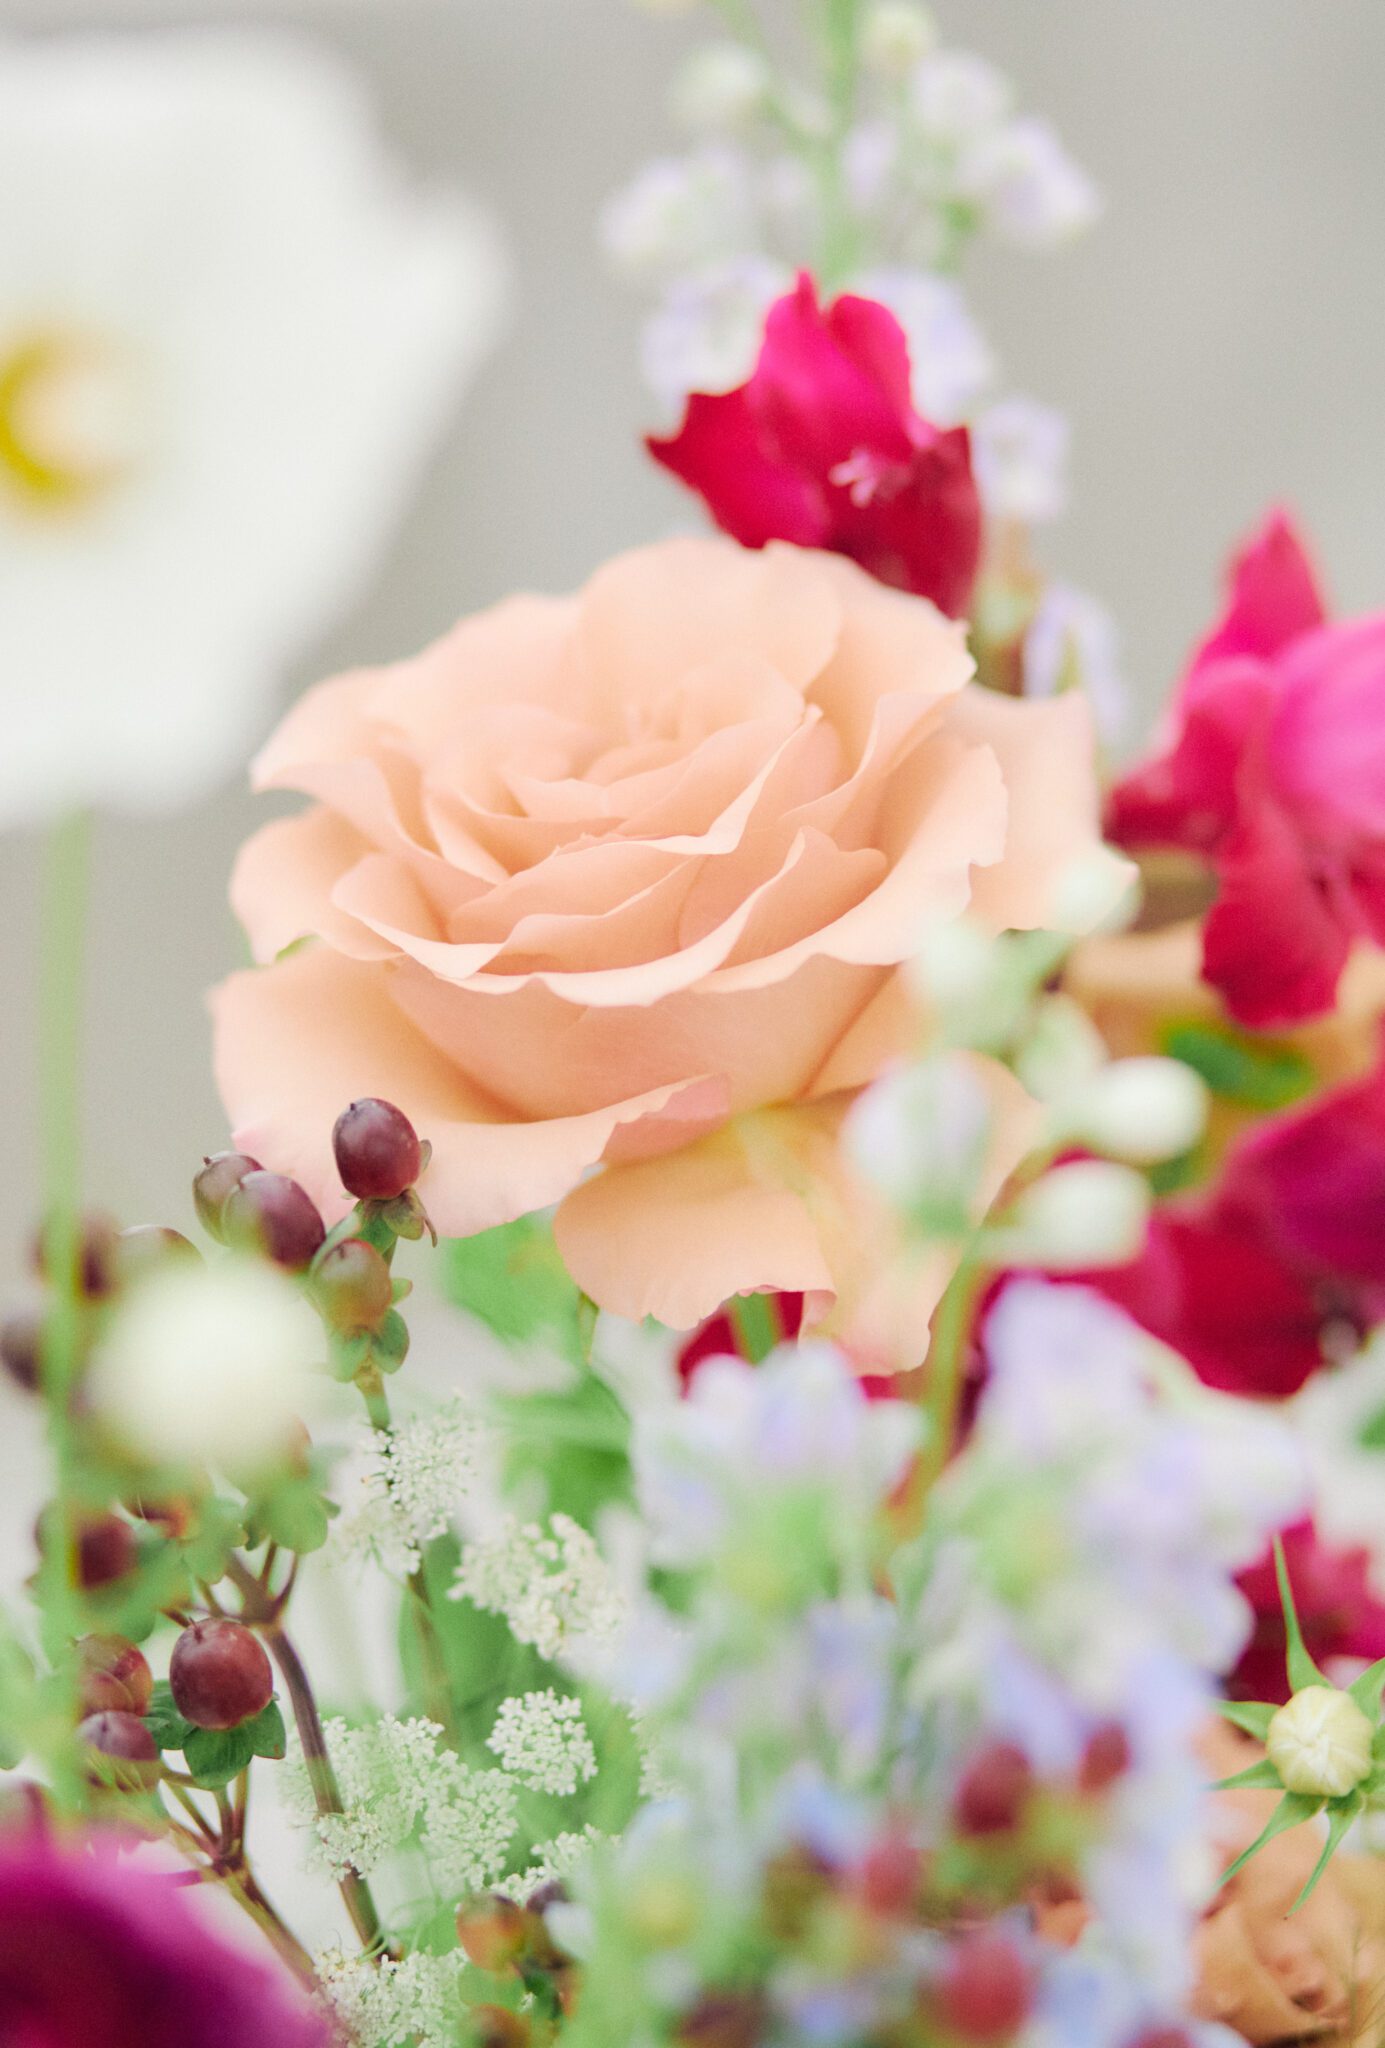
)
(841, 45)
(947, 1358)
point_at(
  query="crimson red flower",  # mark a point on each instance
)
(1339, 1614)
(823, 447)
(1274, 771)
(97, 1953)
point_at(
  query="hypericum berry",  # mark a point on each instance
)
(1106, 1757)
(269, 1213)
(725, 2019)
(219, 1178)
(377, 1150)
(493, 1931)
(495, 2026)
(105, 1551)
(96, 1256)
(1162, 2037)
(113, 1676)
(124, 1753)
(219, 1674)
(21, 1348)
(994, 1790)
(146, 1246)
(986, 1989)
(889, 1877)
(353, 1288)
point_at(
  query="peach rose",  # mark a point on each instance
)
(626, 880)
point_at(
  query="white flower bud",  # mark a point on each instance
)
(958, 98)
(895, 36)
(1089, 1213)
(210, 1364)
(919, 1137)
(1320, 1743)
(976, 985)
(1097, 892)
(1142, 1110)
(1062, 1054)
(723, 86)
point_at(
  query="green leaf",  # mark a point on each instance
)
(756, 1324)
(1343, 1813)
(267, 1732)
(1302, 1670)
(216, 1755)
(1253, 1717)
(1293, 1809)
(513, 1280)
(1260, 1777)
(389, 1345)
(295, 1516)
(1366, 1689)
(163, 1720)
(219, 1528)
(1371, 1434)
(1257, 1073)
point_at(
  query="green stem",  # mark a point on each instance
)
(60, 1012)
(947, 1356)
(841, 55)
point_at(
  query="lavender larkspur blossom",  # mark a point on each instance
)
(96, 1952)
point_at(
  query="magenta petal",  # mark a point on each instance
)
(1188, 796)
(816, 406)
(1328, 743)
(1337, 1610)
(1274, 596)
(869, 334)
(1273, 946)
(717, 451)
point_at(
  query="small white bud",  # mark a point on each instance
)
(1320, 1743)
(1088, 1213)
(210, 1364)
(723, 86)
(957, 97)
(896, 36)
(976, 985)
(1063, 1053)
(919, 1137)
(1142, 1110)
(1097, 892)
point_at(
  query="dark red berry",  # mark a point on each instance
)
(95, 1256)
(377, 1150)
(113, 1676)
(726, 2019)
(105, 1551)
(219, 1674)
(125, 1754)
(272, 1214)
(149, 1245)
(1162, 2037)
(21, 1348)
(986, 1989)
(221, 1175)
(1106, 1758)
(353, 1287)
(993, 1791)
(495, 2026)
(493, 1931)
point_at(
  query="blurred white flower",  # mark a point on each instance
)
(950, 360)
(956, 97)
(721, 86)
(919, 1136)
(1086, 1214)
(706, 332)
(1032, 190)
(1142, 1109)
(228, 334)
(210, 1364)
(1072, 642)
(679, 212)
(1020, 450)
(895, 35)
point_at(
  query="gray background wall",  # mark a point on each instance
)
(1219, 340)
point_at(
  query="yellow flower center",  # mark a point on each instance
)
(1320, 1743)
(69, 420)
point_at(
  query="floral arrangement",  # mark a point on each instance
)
(876, 1541)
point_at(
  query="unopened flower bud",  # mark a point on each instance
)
(272, 1214)
(1095, 893)
(1088, 1213)
(218, 1180)
(895, 35)
(377, 1150)
(21, 1348)
(113, 1676)
(95, 1260)
(1141, 1109)
(106, 1551)
(889, 1877)
(495, 2026)
(724, 2019)
(146, 1245)
(919, 1136)
(1320, 1743)
(122, 1752)
(1105, 1758)
(219, 1674)
(722, 86)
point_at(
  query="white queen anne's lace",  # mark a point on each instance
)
(543, 1739)
(408, 1486)
(549, 1586)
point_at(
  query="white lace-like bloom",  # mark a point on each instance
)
(470, 1821)
(1032, 191)
(680, 212)
(228, 334)
(209, 1363)
(554, 1862)
(1021, 459)
(958, 98)
(542, 1738)
(550, 1587)
(407, 1488)
(381, 2003)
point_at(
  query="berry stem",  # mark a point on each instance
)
(267, 1617)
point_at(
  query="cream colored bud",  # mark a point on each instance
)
(1089, 1213)
(896, 35)
(1320, 1743)
(721, 87)
(1142, 1109)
